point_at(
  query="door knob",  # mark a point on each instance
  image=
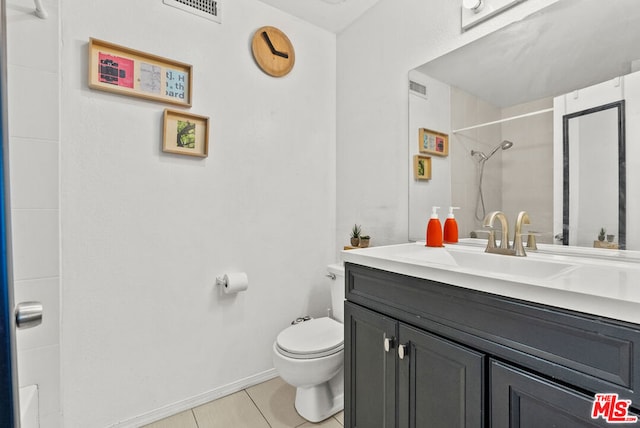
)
(389, 343)
(28, 314)
(403, 351)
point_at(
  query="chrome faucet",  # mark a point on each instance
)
(504, 242)
(523, 218)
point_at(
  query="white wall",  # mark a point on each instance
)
(632, 123)
(374, 57)
(33, 80)
(433, 112)
(144, 234)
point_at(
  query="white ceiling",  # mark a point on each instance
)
(332, 15)
(569, 45)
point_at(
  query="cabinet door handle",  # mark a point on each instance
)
(403, 351)
(389, 343)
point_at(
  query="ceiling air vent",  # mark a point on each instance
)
(418, 88)
(209, 9)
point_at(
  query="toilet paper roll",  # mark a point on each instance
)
(235, 282)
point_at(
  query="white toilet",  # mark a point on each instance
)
(310, 356)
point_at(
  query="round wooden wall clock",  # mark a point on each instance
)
(273, 51)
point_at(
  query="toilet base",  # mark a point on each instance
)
(319, 402)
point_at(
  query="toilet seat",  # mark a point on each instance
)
(315, 338)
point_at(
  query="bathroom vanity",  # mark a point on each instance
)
(454, 337)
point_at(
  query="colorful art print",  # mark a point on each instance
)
(428, 142)
(125, 71)
(115, 70)
(433, 142)
(177, 84)
(150, 78)
(421, 167)
(185, 134)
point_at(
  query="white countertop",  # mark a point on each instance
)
(605, 282)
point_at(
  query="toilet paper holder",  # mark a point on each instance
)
(232, 283)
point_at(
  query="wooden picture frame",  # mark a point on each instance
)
(185, 133)
(125, 71)
(421, 167)
(433, 142)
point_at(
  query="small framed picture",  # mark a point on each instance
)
(421, 167)
(433, 142)
(185, 133)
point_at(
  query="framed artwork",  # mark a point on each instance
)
(433, 142)
(421, 167)
(185, 134)
(125, 71)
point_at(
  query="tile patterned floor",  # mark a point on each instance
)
(267, 405)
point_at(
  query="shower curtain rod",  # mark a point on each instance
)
(533, 113)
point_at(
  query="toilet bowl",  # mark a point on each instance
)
(310, 356)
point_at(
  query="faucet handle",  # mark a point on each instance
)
(491, 239)
(531, 240)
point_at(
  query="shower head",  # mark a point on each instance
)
(504, 146)
(483, 158)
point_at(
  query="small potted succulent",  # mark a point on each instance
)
(364, 241)
(602, 234)
(355, 235)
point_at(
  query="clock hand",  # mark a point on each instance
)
(273, 49)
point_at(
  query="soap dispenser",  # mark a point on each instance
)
(451, 227)
(434, 229)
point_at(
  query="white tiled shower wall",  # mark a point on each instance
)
(33, 98)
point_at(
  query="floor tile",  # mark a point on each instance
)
(329, 423)
(181, 420)
(275, 399)
(340, 417)
(236, 410)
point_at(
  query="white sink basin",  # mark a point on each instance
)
(476, 261)
(500, 265)
(569, 279)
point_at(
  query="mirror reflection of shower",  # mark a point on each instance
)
(482, 159)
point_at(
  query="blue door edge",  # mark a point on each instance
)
(9, 397)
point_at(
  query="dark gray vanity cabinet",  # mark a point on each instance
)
(439, 383)
(422, 354)
(521, 399)
(371, 369)
(400, 376)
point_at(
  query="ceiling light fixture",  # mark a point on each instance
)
(474, 5)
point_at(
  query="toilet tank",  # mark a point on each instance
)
(336, 272)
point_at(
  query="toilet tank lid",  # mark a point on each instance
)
(313, 336)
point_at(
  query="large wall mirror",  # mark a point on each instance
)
(502, 98)
(594, 176)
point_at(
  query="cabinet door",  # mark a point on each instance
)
(370, 370)
(523, 400)
(440, 382)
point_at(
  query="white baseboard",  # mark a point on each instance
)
(197, 400)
